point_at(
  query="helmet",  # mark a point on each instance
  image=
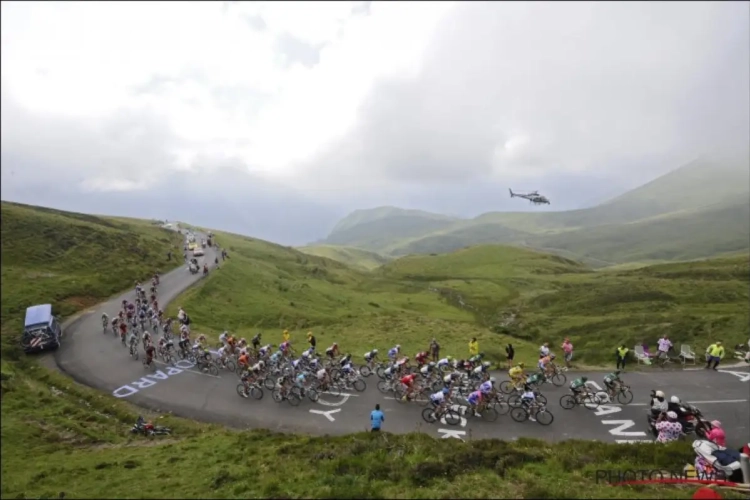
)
(447, 391)
(449, 358)
(335, 345)
(374, 351)
(493, 380)
(486, 364)
(398, 346)
(675, 400)
(715, 423)
(521, 365)
(243, 341)
(431, 364)
(551, 356)
(659, 394)
(305, 354)
(584, 378)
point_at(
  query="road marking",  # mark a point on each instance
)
(632, 441)
(461, 410)
(342, 394)
(450, 433)
(326, 414)
(621, 426)
(744, 377)
(187, 369)
(602, 410)
(720, 401)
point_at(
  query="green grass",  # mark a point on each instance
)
(352, 257)
(499, 294)
(60, 439)
(699, 210)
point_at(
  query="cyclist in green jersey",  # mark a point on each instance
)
(578, 385)
(535, 379)
(612, 382)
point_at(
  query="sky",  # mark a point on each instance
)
(276, 119)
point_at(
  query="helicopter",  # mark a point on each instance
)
(534, 197)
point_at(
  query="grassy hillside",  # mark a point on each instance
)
(499, 294)
(62, 440)
(371, 215)
(352, 257)
(702, 205)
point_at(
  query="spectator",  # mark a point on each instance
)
(435, 350)
(311, 339)
(716, 434)
(510, 353)
(715, 352)
(567, 348)
(285, 336)
(665, 345)
(473, 347)
(622, 353)
(376, 418)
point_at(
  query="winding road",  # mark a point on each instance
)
(100, 361)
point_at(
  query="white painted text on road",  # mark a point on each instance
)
(326, 414)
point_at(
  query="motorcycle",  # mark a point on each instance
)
(149, 429)
(693, 422)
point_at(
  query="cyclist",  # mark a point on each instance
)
(402, 364)
(517, 374)
(322, 376)
(446, 361)
(487, 389)
(265, 350)
(149, 353)
(133, 340)
(440, 399)
(243, 361)
(371, 356)
(474, 400)
(408, 381)
(223, 337)
(393, 352)
(421, 358)
(612, 382)
(285, 348)
(105, 320)
(427, 369)
(332, 351)
(535, 379)
(146, 339)
(578, 386)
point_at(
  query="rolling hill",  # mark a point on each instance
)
(352, 257)
(61, 439)
(699, 210)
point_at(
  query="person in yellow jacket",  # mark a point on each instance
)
(714, 354)
(285, 335)
(473, 347)
(622, 353)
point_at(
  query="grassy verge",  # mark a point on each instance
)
(352, 257)
(60, 439)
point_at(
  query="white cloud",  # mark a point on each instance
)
(82, 61)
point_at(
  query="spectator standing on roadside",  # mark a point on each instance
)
(664, 346)
(510, 353)
(435, 350)
(567, 348)
(311, 339)
(715, 352)
(285, 336)
(621, 352)
(376, 419)
(473, 347)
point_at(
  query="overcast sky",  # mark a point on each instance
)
(274, 119)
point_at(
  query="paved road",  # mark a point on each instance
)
(101, 361)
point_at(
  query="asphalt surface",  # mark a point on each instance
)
(101, 361)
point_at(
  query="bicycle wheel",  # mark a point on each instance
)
(230, 365)
(334, 390)
(181, 354)
(489, 413)
(502, 407)
(168, 358)
(365, 371)
(269, 383)
(428, 414)
(541, 399)
(312, 394)
(451, 417)
(544, 417)
(359, 385)
(625, 396)
(519, 414)
(276, 395)
(213, 370)
(506, 387)
(256, 393)
(241, 390)
(422, 398)
(514, 400)
(135, 353)
(591, 402)
(293, 399)
(558, 379)
(398, 395)
(384, 386)
(380, 372)
(567, 402)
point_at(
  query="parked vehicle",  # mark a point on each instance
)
(41, 329)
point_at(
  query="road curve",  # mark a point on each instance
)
(100, 361)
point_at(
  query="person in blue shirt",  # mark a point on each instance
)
(376, 418)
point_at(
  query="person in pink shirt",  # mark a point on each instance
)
(716, 434)
(664, 346)
(567, 348)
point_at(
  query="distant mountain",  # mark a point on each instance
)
(695, 211)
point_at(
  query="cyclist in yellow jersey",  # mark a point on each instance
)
(517, 374)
